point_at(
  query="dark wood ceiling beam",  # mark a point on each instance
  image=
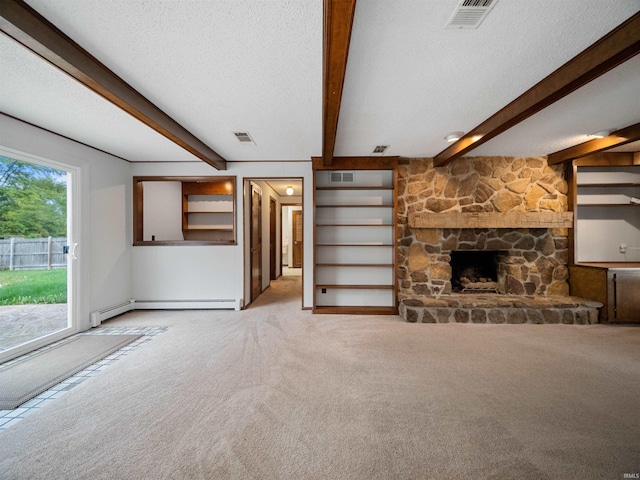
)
(338, 23)
(28, 27)
(610, 51)
(615, 139)
(615, 159)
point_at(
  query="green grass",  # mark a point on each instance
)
(22, 287)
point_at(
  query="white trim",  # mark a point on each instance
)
(106, 313)
(125, 306)
(209, 304)
(76, 288)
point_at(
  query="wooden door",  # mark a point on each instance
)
(297, 238)
(256, 244)
(272, 239)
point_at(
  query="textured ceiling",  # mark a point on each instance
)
(221, 66)
(34, 91)
(410, 81)
(214, 66)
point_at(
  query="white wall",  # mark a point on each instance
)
(216, 271)
(105, 232)
(287, 234)
(111, 270)
(163, 222)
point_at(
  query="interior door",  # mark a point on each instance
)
(256, 243)
(272, 239)
(297, 238)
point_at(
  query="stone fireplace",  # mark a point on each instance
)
(516, 207)
(533, 260)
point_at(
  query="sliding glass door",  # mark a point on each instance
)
(37, 252)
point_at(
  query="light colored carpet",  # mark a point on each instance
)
(23, 380)
(274, 392)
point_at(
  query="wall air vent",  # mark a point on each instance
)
(341, 177)
(244, 137)
(380, 148)
(470, 13)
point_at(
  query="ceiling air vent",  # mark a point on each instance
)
(244, 137)
(470, 13)
(341, 177)
(380, 148)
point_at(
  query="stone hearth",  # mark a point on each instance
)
(465, 308)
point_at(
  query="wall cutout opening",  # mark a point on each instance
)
(184, 210)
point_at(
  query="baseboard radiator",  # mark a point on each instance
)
(209, 304)
(106, 313)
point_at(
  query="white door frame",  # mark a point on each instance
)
(76, 289)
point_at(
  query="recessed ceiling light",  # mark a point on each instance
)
(601, 134)
(453, 136)
(380, 148)
(289, 190)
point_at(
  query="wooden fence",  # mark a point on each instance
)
(32, 253)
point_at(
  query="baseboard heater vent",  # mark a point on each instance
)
(210, 304)
(106, 313)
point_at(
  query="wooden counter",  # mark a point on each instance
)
(615, 284)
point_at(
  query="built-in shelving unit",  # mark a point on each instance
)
(606, 204)
(208, 211)
(355, 241)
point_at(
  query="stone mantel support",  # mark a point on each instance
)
(491, 220)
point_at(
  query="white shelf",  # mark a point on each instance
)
(355, 241)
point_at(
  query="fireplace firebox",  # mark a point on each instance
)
(475, 271)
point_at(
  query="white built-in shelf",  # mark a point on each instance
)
(208, 210)
(358, 287)
(354, 206)
(354, 244)
(388, 265)
(624, 184)
(354, 224)
(609, 205)
(356, 188)
(605, 205)
(354, 239)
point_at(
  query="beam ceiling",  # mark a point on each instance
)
(615, 48)
(338, 23)
(615, 139)
(22, 23)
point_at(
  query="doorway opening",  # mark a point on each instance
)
(36, 250)
(273, 244)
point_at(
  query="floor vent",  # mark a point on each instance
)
(470, 13)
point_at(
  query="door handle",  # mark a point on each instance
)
(73, 250)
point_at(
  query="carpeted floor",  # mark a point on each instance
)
(273, 392)
(27, 378)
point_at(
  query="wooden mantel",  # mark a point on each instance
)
(491, 220)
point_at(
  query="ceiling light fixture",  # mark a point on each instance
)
(289, 190)
(601, 134)
(453, 136)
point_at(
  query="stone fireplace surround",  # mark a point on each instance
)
(533, 268)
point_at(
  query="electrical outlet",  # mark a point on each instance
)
(623, 248)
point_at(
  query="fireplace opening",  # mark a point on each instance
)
(474, 271)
